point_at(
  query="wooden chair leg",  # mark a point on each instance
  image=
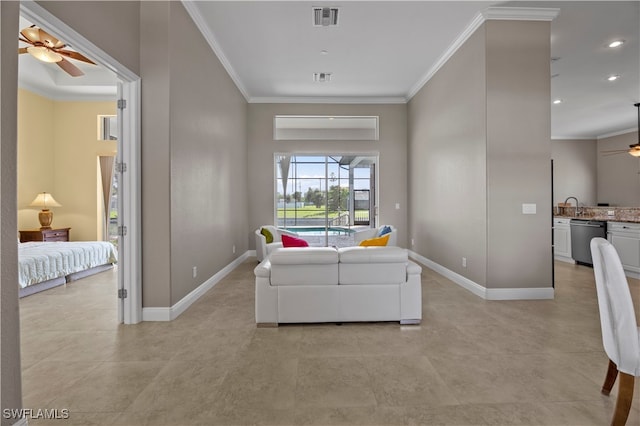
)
(623, 403)
(612, 373)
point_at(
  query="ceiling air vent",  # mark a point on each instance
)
(325, 16)
(322, 77)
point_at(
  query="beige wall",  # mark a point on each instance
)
(619, 174)
(10, 371)
(60, 156)
(35, 155)
(479, 147)
(574, 171)
(392, 149)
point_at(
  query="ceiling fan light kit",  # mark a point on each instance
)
(47, 48)
(44, 54)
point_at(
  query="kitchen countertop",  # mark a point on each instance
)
(602, 218)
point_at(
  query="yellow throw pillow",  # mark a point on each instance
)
(375, 242)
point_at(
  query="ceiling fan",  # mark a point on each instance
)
(47, 48)
(633, 149)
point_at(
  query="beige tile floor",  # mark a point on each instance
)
(471, 362)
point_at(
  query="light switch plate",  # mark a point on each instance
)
(529, 208)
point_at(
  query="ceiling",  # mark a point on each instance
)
(383, 51)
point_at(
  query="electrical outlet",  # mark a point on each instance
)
(397, 206)
(234, 249)
(464, 262)
(413, 242)
(195, 271)
(611, 212)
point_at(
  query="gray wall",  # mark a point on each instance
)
(574, 170)
(392, 147)
(447, 163)
(619, 174)
(518, 154)
(479, 147)
(208, 120)
(10, 372)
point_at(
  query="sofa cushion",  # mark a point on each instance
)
(289, 241)
(373, 255)
(304, 256)
(267, 235)
(375, 242)
(303, 266)
(372, 265)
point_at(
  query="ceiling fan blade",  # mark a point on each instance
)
(22, 50)
(75, 55)
(71, 69)
(49, 41)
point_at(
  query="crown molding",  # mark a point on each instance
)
(200, 22)
(618, 133)
(492, 13)
(475, 23)
(328, 100)
(66, 96)
(520, 13)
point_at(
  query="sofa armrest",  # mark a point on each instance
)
(365, 234)
(413, 269)
(261, 246)
(263, 270)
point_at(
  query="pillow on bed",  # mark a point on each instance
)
(375, 242)
(267, 235)
(289, 241)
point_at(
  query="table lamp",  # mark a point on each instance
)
(45, 200)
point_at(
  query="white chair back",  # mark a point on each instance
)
(617, 315)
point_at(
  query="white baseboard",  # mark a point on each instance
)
(485, 293)
(169, 314)
(564, 259)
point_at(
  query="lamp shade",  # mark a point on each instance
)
(635, 151)
(44, 200)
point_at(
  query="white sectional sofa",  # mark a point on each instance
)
(324, 284)
(263, 249)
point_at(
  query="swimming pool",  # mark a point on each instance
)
(319, 230)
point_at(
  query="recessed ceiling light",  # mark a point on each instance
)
(557, 101)
(613, 77)
(324, 52)
(616, 43)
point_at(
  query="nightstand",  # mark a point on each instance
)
(61, 234)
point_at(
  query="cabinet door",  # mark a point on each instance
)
(628, 249)
(562, 241)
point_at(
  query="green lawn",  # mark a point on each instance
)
(314, 212)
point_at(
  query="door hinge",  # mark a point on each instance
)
(122, 103)
(121, 167)
(122, 293)
(122, 231)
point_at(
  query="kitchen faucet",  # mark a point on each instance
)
(577, 205)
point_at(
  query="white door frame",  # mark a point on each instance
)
(129, 257)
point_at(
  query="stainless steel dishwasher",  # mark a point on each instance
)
(582, 231)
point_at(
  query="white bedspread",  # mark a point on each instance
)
(45, 261)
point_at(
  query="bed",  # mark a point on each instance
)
(43, 265)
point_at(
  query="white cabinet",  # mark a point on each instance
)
(625, 237)
(562, 239)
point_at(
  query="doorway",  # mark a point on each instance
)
(128, 170)
(325, 198)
